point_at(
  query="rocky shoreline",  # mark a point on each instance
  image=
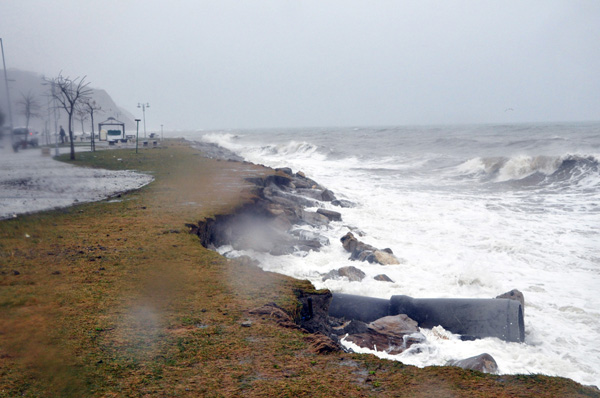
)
(274, 221)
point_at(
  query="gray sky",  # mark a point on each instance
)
(299, 63)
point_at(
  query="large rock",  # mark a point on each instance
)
(483, 363)
(383, 278)
(313, 218)
(394, 325)
(317, 194)
(330, 214)
(352, 273)
(328, 196)
(342, 203)
(309, 235)
(514, 295)
(385, 258)
(273, 191)
(392, 334)
(302, 182)
(285, 170)
(363, 252)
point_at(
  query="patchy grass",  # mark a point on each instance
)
(115, 299)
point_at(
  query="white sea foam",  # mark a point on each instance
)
(519, 167)
(475, 237)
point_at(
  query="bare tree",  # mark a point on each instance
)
(29, 107)
(69, 93)
(91, 107)
(82, 115)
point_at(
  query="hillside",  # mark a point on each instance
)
(21, 83)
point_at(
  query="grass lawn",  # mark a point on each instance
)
(116, 299)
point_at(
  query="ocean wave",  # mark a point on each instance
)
(570, 168)
(223, 139)
(292, 148)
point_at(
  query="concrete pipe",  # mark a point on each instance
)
(361, 308)
(471, 318)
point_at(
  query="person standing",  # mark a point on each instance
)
(63, 135)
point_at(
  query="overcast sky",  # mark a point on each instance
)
(288, 63)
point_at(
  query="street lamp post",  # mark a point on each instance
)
(161, 133)
(10, 121)
(144, 106)
(51, 84)
(137, 130)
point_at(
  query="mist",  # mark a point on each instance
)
(226, 64)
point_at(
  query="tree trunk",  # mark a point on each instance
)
(71, 136)
(92, 142)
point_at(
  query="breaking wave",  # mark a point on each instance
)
(292, 148)
(569, 168)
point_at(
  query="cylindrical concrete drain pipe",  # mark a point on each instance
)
(361, 308)
(471, 318)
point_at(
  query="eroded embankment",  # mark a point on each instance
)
(268, 223)
(274, 221)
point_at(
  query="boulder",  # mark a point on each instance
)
(514, 295)
(309, 235)
(316, 194)
(312, 244)
(313, 218)
(328, 196)
(278, 180)
(352, 273)
(300, 181)
(273, 191)
(349, 242)
(281, 223)
(285, 170)
(330, 214)
(363, 252)
(394, 325)
(392, 334)
(383, 278)
(483, 363)
(342, 203)
(385, 258)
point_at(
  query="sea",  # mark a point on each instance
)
(471, 211)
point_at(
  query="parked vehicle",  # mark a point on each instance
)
(23, 137)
